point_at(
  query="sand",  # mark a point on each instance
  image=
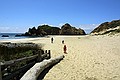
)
(88, 57)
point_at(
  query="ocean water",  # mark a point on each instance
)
(11, 36)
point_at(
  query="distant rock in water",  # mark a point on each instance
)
(5, 35)
(107, 27)
(17, 35)
(67, 29)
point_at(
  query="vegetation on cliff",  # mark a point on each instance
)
(10, 51)
(108, 27)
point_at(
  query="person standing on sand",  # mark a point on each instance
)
(52, 40)
(65, 49)
(62, 41)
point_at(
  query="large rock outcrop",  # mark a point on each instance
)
(107, 27)
(43, 30)
(67, 29)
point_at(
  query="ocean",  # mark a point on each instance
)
(12, 36)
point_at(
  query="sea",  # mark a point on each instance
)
(12, 36)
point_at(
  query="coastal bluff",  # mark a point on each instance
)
(112, 27)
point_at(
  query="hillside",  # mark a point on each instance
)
(108, 27)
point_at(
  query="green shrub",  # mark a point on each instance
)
(9, 51)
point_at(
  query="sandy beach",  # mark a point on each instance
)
(88, 57)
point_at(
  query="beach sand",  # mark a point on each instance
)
(88, 57)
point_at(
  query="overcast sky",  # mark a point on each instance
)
(19, 15)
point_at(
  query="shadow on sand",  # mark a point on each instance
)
(44, 72)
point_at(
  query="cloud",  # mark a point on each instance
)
(4, 29)
(46, 24)
(12, 29)
(88, 27)
(61, 24)
(43, 24)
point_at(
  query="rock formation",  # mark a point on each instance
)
(67, 29)
(43, 30)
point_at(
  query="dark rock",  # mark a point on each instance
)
(17, 35)
(5, 35)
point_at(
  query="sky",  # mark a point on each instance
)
(20, 15)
